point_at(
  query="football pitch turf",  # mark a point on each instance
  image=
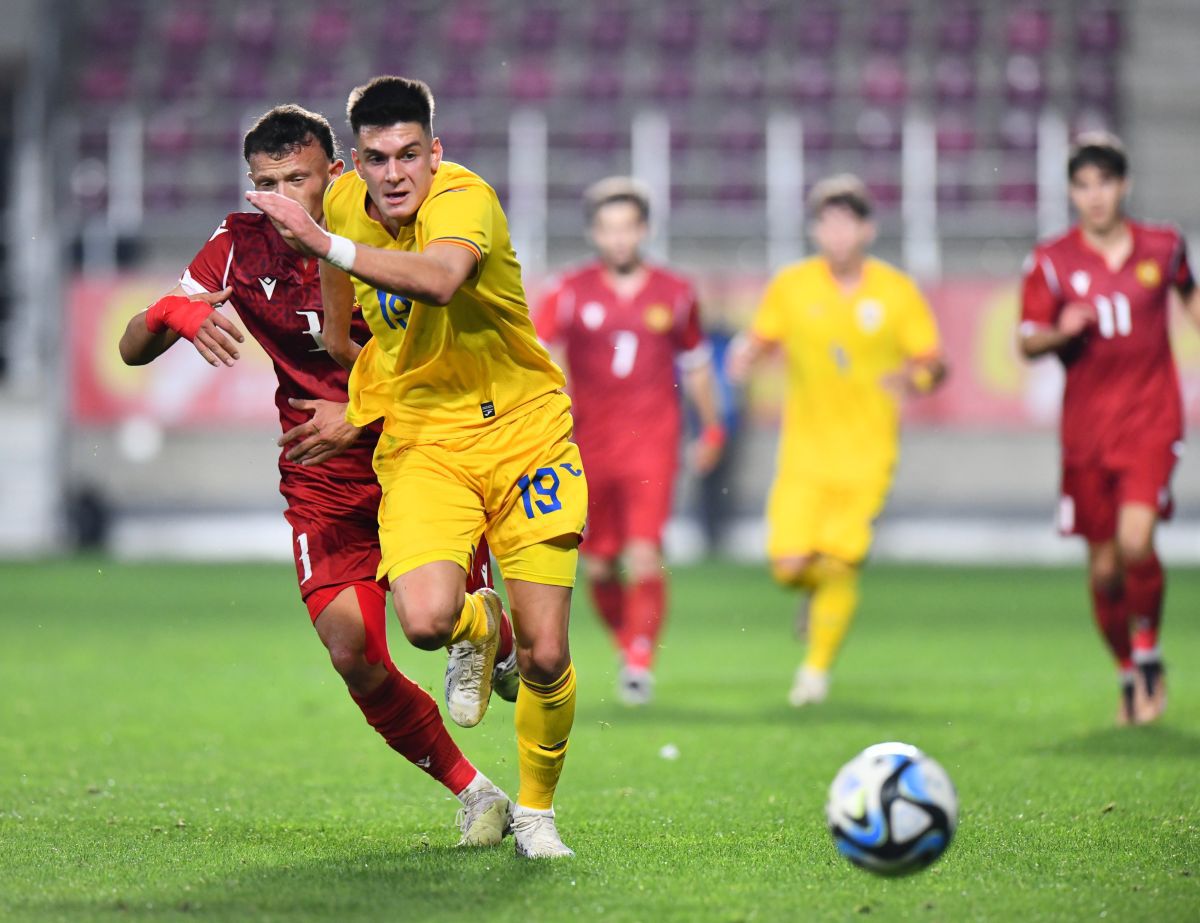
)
(174, 745)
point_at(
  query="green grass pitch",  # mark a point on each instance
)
(175, 746)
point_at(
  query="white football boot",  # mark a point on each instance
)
(485, 818)
(810, 687)
(635, 687)
(469, 668)
(537, 837)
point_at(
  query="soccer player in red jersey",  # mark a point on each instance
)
(622, 326)
(326, 474)
(1098, 297)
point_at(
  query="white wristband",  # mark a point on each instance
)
(342, 251)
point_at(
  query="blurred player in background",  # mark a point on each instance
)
(857, 337)
(1099, 298)
(331, 506)
(476, 427)
(621, 326)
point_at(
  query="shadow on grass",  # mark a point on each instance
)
(1159, 741)
(348, 882)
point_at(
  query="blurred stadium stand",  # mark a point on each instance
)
(128, 116)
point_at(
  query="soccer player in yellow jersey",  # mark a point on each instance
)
(476, 428)
(857, 336)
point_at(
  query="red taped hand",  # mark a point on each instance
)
(178, 313)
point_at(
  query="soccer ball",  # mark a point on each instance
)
(892, 810)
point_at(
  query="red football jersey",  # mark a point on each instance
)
(277, 295)
(620, 355)
(1122, 390)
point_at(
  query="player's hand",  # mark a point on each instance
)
(321, 437)
(739, 360)
(706, 451)
(215, 337)
(292, 221)
(1077, 318)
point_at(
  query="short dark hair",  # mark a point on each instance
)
(1101, 150)
(614, 189)
(285, 129)
(845, 190)
(387, 100)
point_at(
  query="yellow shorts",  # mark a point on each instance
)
(519, 482)
(806, 517)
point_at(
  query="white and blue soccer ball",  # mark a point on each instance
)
(892, 810)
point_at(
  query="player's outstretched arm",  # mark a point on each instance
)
(321, 437)
(152, 332)
(430, 277)
(337, 298)
(744, 353)
(700, 387)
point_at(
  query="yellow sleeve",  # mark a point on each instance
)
(332, 206)
(463, 216)
(918, 331)
(770, 321)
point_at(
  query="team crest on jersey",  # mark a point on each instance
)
(592, 315)
(1148, 273)
(869, 314)
(658, 318)
(1081, 282)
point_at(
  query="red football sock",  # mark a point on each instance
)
(608, 596)
(1112, 618)
(1144, 587)
(647, 610)
(407, 718)
(506, 639)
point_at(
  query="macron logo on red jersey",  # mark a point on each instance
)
(268, 286)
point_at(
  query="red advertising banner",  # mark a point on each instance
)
(990, 385)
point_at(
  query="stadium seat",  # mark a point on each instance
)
(884, 82)
(115, 28)
(1018, 130)
(537, 28)
(817, 127)
(399, 29)
(1029, 30)
(743, 80)
(1098, 29)
(185, 31)
(608, 29)
(887, 28)
(811, 81)
(955, 134)
(673, 84)
(329, 30)
(169, 135)
(601, 83)
(1096, 82)
(459, 82)
(104, 82)
(466, 29)
(954, 80)
(740, 131)
(817, 28)
(959, 29)
(878, 129)
(255, 29)
(748, 28)
(531, 81)
(678, 28)
(247, 80)
(1024, 80)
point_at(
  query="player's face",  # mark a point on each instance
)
(397, 162)
(618, 233)
(1097, 197)
(842, 236)
(301, 175)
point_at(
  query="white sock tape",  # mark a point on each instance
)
(342, 252)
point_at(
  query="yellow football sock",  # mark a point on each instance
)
(544, 715)
(472, 622)
(834, 602)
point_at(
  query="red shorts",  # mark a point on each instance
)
(625, 509)
(1093, 493)
(335, 539)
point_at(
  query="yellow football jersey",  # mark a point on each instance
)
(840, 424)
(432, 371)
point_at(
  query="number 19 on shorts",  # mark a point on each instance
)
(539, 492)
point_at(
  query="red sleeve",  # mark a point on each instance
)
(1179, 273)
(546, 315)
(691, 334)
(209, 269)
(1040, 294)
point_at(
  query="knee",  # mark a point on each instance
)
(351, 663)
(644, 561)
(791, 572)
(428, 623)
(544, 660)
(1135, 549)
(1106, 578)
(600, 570)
